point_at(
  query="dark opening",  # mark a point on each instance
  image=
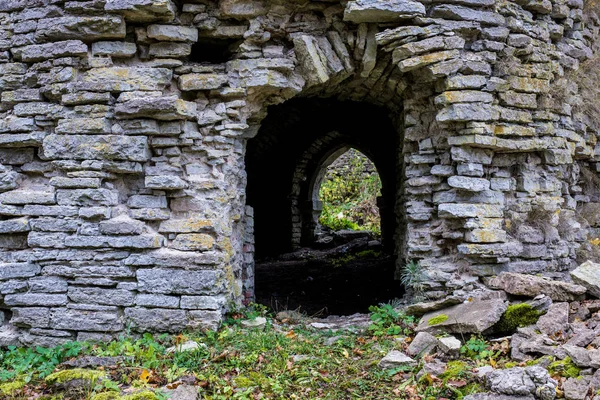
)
(299, 264)
(214, 51)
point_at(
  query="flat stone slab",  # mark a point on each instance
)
(396, 359)
(532, 286)
(360, 11)
(471, 317)
(588, 276)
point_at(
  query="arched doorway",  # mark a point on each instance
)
(286, 163)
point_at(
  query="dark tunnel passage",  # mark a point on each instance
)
(285, 164)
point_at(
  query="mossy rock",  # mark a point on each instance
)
(517, 316)
(62, 377)
(11, 388)
(143, 395)
(455, 369)
(565, 368)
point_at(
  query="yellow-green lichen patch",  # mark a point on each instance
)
(10, 388)
(438, 319)
(72, 374)
(517, 316)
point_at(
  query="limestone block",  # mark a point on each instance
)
(87, 197)
(85, 320)
(242, 9)
(74, 183)
(165, 182)
(157, 301)
(123, 79)
(97, 147)
(427, 59)
(588, 275)
(161, 108)
(203, 302)
(83, 126)
(175, 281)
(492, 250)
(470, 317)
(528, 85)
(202, 81)
(172, 33)
(21, 95)
(460, 82)
(37, 317)
(121, 225)
(147, 201)
(14, 225)
(469, 183)
(95, 295)
(193, 242)
(72, 99)
(170, 49)
(15, 124)
(28, 197)
(18, 270)
(468, 112)
(54, 240)
(485, 236)
(82, 28)
(119, 242)
(47, 284)
(469, 211)
(531, 286)
(39, 52)
(463, 96)
(35, 299)
(456, 12)
(114, 49)
(360, 11)
(156, 320)
(190, 225)
(143, 10)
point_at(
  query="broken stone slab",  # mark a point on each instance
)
(161, 108)
(418, 309)
(555, 320)
(182, 392)
(92, 361)
(113, 49)
(422, 344)
(360, 11)
(449, 345)
(518, 381)
(190, 345)
(532, 286)
(456, 12)
(202, 81)
(470, 317)
(496, 396)
(258, 322)
(468, 183)
(395, 359)
(172, 33)
(576, 388)
(143, 10)
(588, 276)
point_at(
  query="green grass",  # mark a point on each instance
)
(277, 362)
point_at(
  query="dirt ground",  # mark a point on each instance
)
(338, 286)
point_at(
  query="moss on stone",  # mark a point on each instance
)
(72, 374)
(517, 316)
(11, 388)
(454, 369)
(565, 368)
(438, 319)
(143, 395)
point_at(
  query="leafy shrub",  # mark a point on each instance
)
(349, 197)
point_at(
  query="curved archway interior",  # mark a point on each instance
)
(285, 164)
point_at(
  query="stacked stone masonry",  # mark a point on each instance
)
(123, 139)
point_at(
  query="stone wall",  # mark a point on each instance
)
(124, 126)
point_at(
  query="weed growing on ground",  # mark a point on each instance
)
(412, 277)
